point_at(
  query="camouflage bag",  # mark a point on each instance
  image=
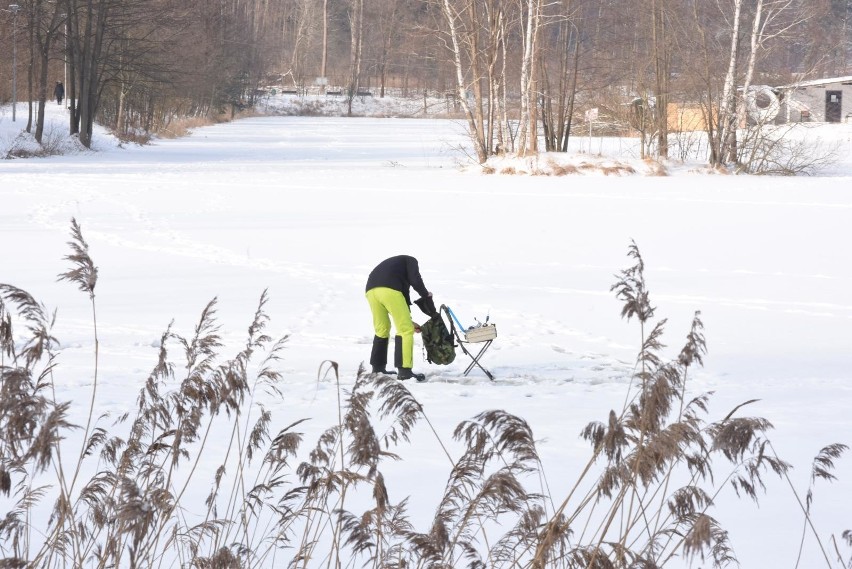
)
(437, 341)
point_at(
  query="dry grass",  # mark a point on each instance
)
(554, 168)
(711, 169)
(133, 137)
(655, 168)
(273, 504)
(617, 170)
(562, 169)
(179, 127)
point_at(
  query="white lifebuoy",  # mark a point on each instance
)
(762, 103)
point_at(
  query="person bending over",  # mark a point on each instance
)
(388, 288)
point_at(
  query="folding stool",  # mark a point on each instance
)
(483, 334)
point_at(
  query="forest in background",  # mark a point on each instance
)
(522, 72)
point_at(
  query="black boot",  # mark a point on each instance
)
(379, 356)
(406, 373)
(397, 352)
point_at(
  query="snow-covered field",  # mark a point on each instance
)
(305, 206)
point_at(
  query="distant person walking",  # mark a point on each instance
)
(59, 92)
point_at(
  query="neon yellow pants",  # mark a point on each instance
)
(387, 304)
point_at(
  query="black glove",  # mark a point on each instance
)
(426, 306)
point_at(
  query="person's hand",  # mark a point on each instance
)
(416, 328)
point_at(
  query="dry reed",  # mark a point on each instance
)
(644, 498)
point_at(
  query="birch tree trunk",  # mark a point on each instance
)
(661, 72)
(356, 18)
(505, 136)
(477, 135)
(324, 61)
(778, 15)
(752, 56)
(477, 72)
(527, 132)
(495, 54)
(120, 122)
(727, 142)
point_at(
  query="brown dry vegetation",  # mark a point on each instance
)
(562, 169)
(655, 168)
(617, 170)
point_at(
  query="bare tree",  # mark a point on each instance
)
(558, 70)
(662, 58)
(323, 70)
(295, 24)
(356, 31)
(88, 21)
(527, 128)
(464, 47)
(521, 71)
(726, 141)
(770, 20)
(389, 16)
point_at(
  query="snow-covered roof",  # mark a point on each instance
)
(816, 82)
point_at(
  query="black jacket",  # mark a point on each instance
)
(398, 273)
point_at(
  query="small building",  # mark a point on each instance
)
(685, 118)
(819, 100)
